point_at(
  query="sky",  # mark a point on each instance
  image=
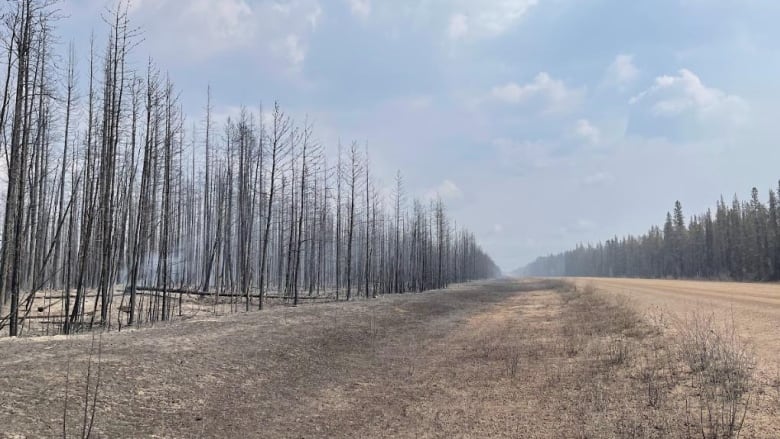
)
(540, 123)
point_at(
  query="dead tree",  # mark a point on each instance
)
(352, 183)
(279, 132)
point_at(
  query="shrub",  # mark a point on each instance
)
(721, 368)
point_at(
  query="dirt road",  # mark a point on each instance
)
(400, 366)
(754, 307)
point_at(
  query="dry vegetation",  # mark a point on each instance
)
(649, 377)
(494, 359)
(719, 347)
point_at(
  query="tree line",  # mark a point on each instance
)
(116, 207)
(738, 241)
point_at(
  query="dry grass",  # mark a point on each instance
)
(639, 379)
(500, 359)
(46, 309)
(715, 359)
(721, 369)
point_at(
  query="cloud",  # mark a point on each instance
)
(459, 26)
(220, 24)
(313, 17)
(486, 18)
(584, 130)
(622, 71)
(201, 29)
(291, 49)
(684, 105)
(673, 95)
(360, 8)
(447, 190)
(550, 92)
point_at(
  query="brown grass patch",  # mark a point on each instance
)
(505, 358)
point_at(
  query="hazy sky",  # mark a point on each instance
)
(542, 123)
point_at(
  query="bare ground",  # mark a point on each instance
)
(390, 367)
(504, 358)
